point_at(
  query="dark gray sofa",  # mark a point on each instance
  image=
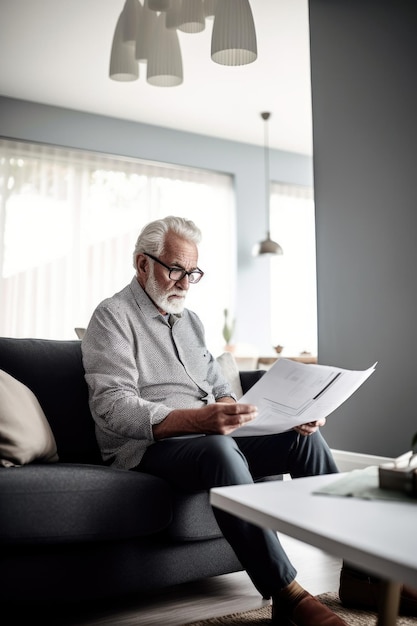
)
(76, 529)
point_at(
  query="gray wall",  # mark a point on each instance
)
(363, 57)
(37, 122)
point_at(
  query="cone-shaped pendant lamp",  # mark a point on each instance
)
(159, 5)
(164, 68)
(123, 65)
(172, 15)
(131, 17)
(145, 32)
(233, 39)
(209, 7)
(267, 246)
(191, 16)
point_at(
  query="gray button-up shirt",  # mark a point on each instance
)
(139, 366)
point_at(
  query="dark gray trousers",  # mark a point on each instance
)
(200, 463)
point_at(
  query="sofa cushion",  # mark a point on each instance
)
(193, 517)
(64, 503)
(25, 434)
(230, 371)
(53, 370)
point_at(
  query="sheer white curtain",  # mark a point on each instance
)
(293, 275)
(68, 223)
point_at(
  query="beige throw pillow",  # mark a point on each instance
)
(231, 372)
(25, 434)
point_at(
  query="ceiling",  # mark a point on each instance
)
(57, 52)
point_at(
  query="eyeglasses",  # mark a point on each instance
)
(178, 273)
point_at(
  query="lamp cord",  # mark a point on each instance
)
(265, 117)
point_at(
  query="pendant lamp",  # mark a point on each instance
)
(159, 5)
(233, 40)
(131, 19)
(267, 246)
(209, 8)
(172, 15)
(123, 65)
(139, 29)
(164, 67)
(191, 16)
(145, 32)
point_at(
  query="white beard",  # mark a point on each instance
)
(162, 298)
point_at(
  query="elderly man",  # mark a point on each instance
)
(162, 406)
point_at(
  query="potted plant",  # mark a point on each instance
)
(228, 329)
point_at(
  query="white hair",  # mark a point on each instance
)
(152, 237)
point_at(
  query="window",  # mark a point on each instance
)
(293, 275)
(68, 224)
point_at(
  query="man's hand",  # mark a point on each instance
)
(218, 418)
(310, 427)
(224, 417)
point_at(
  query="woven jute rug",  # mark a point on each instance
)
(262, 616)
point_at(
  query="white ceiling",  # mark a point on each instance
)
(57, 52)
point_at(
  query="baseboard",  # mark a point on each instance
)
(347, 461)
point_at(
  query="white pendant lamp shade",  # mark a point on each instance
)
(145, 32)
(159, 5)
(209, 7)
(123, 65)
(233, 38)
(267, 246)
(164, 67)
(172, 15)
(191, 16)
(131, 17)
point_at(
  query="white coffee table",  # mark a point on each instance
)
(379, 536)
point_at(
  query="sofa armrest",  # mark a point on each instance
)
(249, 377)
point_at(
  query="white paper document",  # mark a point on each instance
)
(292, 393)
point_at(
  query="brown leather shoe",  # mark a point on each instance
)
(307, 611)
(359, 590)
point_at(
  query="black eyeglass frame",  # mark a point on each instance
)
(194, 276)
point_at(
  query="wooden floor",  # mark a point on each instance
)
(213, 597)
